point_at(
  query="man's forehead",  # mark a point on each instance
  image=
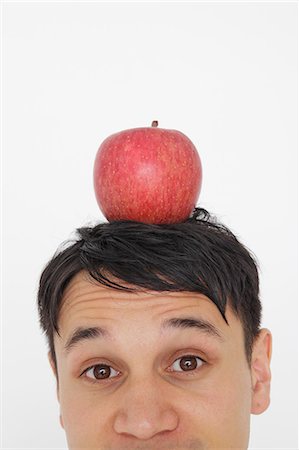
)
(85, 299)
(85, 293)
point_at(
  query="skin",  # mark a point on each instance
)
(149, 399)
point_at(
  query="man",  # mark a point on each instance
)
(154, 336)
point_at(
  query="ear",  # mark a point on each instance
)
(260, 371)
(52, 364)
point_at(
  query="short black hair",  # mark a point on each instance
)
(199, 255)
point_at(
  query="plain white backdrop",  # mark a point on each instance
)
(225, 74)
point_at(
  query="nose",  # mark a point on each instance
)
(145, 426)
(145, 412)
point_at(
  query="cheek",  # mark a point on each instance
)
(226, 409)
(83, 414)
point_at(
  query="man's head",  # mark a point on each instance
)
(154, 336)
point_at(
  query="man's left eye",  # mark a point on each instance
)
(103, 372)
(189, 362)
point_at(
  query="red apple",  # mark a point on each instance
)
(151, 175)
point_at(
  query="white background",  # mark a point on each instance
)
(225, 74)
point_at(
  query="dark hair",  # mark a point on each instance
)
(199, 255)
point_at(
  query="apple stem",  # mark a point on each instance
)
(154, 123)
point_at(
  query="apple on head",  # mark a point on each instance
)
(151, 175)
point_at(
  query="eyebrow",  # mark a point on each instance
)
(82, 334)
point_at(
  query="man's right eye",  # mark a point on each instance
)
(100, 373)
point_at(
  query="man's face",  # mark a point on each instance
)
(151, 388)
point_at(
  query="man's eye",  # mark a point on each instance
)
(99, 372)
(104, 372)
(188, 363)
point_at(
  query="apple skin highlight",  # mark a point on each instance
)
(150, 175)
